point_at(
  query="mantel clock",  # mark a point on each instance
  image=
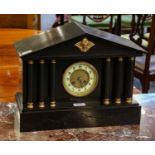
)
(76, 76)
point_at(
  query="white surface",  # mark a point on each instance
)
(47, 20)
(144, 98)
(79, 6)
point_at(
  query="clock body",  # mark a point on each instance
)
(76, 76)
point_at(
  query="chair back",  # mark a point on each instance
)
(98, 20)
(141, 24)
(137, 35)
(22, 21)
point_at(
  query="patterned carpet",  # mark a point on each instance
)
(137, 84)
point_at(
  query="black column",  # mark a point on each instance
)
(30, 99)
(118, 25)
(107, 81)
(42, 84)
(52, 84)
(118, 88)
(129, 75)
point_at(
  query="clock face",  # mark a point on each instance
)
(80, 79)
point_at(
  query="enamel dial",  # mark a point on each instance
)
(80, 79)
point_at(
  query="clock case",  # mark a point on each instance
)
(58, 46)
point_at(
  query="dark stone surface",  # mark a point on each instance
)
(144, 131)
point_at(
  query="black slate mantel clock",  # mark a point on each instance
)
(76, 76)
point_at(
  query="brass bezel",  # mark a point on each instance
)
(84, 93)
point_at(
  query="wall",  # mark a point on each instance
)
(47, 20)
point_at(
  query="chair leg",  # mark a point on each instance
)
(145, 85)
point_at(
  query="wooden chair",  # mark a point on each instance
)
(22, 21)
(105, 22)
(10, 65)
(122, 24)
(61, 19)
(13, 27)
(144, 65)
(100, 21)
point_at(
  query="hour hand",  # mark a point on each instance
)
(79, 79)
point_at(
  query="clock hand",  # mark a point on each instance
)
(79, 79)
(84, 82)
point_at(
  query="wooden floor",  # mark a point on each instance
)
(10, 64)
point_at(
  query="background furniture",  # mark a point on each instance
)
(24, 21)
(100, 21)
(122, 23)
(145, 65)
(114, 23)
(10, 68)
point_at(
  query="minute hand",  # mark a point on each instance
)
(81, 83)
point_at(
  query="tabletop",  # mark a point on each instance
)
(144, 131)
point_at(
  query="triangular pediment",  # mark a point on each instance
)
(66, 37)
